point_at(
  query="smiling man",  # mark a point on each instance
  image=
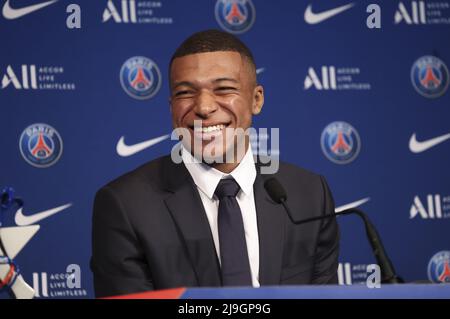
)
(207, 220)
(217, 89)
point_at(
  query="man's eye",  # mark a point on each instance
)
(225, 88)
(181, 93)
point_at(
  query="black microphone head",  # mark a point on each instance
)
(275, 190)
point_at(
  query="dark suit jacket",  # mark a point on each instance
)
(150, 231)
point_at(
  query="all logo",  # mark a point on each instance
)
(429, 76)
(439, 267)
(340, 142)
(40, 145)
(235, 16)
(126, 15)
(416, 14)
(27, 81)
(358, 274)
(437, 207)
(59, 285)
(345, 274)
(140, 77)
(327, 82)
(32, 77)
(134, 11)
(334, 78)
(422, 12)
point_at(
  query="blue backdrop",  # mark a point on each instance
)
(359, 92)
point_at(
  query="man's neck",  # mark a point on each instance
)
(225, 167)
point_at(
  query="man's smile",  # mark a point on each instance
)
(207, 130)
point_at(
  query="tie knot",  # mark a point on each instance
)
(227, 187)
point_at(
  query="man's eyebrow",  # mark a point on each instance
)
(225, 79)
(183, 83)
(190, 84)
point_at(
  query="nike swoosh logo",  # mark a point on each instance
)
(314, 18)
(22, 220)
(418, 147)
(128, 150)
(351, 205)
(13, 13)
(260, 70)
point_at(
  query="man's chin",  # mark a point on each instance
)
(207, 152)
(211, 153)
(219, 148)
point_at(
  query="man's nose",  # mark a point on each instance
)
(205, 104)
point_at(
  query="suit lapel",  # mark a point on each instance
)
(186, 208)
(270, 217)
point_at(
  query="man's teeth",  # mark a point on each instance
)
(209, 129)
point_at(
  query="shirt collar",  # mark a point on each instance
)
(207, 178)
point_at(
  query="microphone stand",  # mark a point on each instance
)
(388, 274)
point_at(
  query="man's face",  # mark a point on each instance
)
(218, 88)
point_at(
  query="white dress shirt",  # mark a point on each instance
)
(207, 178)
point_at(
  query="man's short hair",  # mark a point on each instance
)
(212, 41)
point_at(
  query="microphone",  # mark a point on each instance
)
(388, 274)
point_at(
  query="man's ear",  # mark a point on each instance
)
(258, 99)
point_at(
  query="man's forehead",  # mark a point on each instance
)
(208, 67)
(208, 61)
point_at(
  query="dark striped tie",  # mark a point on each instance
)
(233, 247)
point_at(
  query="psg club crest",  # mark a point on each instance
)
(40, 145)
(439, 267)
(429, 76)
(235, 16)
(140, 77)
(340, 142)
